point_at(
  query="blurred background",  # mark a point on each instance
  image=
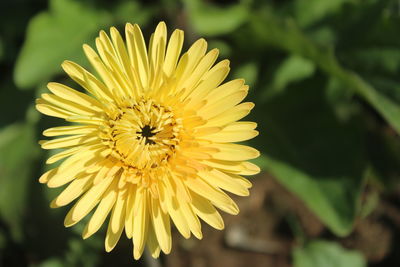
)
(325, 79)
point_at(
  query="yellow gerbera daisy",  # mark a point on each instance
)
(153, 142)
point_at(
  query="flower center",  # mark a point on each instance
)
(146, 133)
(143, 135)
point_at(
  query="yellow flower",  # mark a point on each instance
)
(152, 143)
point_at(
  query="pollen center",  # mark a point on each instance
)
(144, 135)
(147, 132)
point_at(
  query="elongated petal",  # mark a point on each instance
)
(73, 191)
(140, 225)
(72, 95)
(103, 209)
(70, 130)
(237, 167)
(173, 52)
(51, 110)
(87, 80)
(206, 211)
(87, 202)
(152, 242)
(234, 152)
(212, 110)
(162, 226)
(68, 141)
(129, 211)
(234, 132)
(226, 182)
(116, 224)
(236, 113)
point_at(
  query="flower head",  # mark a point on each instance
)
(151, 142)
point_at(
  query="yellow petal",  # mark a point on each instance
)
(224, 181)
(103, 209)
(234, 132)
(215, 195)
(87, 202)
(86, 80)
(99, 66)
(73, 190)
(202, 188)
(222, 105)
(140, 224)
(62, 103)
(209, 84)
(138, 53)
(87, 155)
(129, 211)
(60, 177)
(96, 121)
(157, 53)
(132, 54)
(161, 226)
(206, 131)
(116, 224)
(68, 141)
(232, 208)
(70, 130)
(237, 167)
(234, 152)
(44, 107)
(175, 212)
(45, 177)
(224, 90)
(72, 95)
(121, 51)
(181, 189)
(187, 64)
(103, 44)
(173, 51)
(206, 211)
(204, 65)
(231, 115)
(250, 168)
(152, 243)
(191, 218)
(120, 82)
(107, 169)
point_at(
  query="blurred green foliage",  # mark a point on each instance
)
(324, 76)
(321, 253)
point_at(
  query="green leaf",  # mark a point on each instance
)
(287, 36)
(247, 71)
(333, 200)
(310, 11)
(84, 253)
(54, 36)
(313, 154)
(385, 59)
(210, 20)
(388, 109)
(341, 99)
(132, 11)
(1, 49)
(326, 254)
(384, 156)
(17, 151)
(53, 262)
(3, 240)
(293, 69)
(225, 50)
